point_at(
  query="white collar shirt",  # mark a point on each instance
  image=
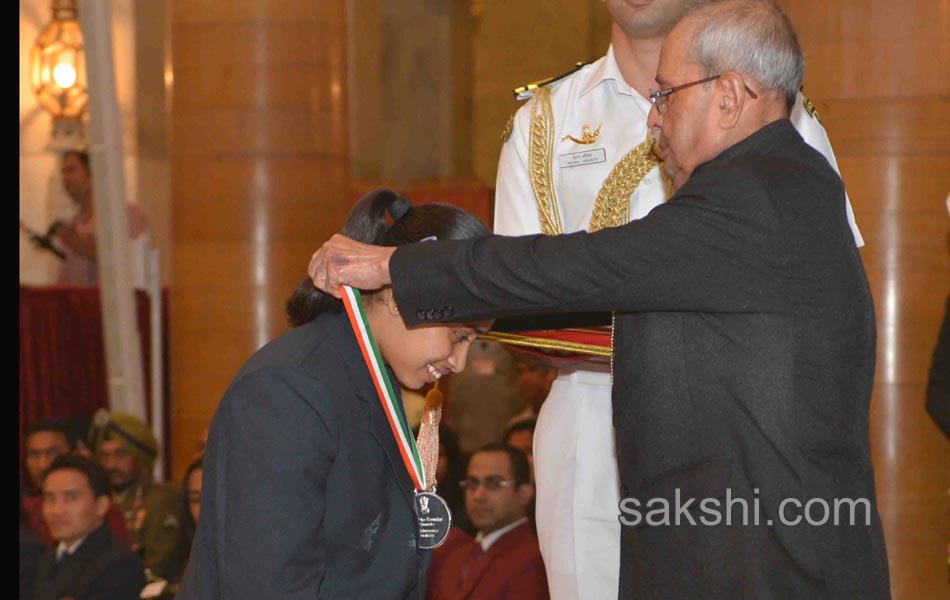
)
(487, 540)
(62, 549)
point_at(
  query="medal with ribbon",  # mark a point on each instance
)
(433, 516)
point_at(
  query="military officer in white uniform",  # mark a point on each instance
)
(577, 156)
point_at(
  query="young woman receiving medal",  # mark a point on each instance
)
(313, 484)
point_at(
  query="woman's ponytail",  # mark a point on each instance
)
(367, 223)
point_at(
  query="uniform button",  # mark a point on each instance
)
(448, 312)
(420, 314)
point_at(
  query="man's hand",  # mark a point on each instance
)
(343, 261)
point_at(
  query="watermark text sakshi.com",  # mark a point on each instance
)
(654, 512)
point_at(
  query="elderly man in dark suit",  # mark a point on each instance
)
(744, 334)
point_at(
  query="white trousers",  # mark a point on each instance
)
(578, 488)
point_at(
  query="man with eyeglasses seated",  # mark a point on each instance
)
(503, 559)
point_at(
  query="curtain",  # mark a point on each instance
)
(62, 353)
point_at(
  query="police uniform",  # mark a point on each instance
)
(151, 509)
(577, 157)
(151, 515)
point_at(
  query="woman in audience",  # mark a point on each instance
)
(191, 503)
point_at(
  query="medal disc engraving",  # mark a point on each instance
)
(434, 519)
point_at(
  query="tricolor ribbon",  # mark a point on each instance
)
(353, 302)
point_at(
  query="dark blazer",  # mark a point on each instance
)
(304, 494)
(511, 569)
(31, 548)
(744, 351)
(102, 568)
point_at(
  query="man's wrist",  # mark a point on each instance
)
(384, 268)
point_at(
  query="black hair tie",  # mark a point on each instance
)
(399, 208)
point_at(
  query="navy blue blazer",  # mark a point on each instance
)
(744, 352)
(102, 568)
(304, 494)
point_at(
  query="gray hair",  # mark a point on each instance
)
(752, 37)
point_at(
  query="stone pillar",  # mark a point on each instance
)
(258, 177)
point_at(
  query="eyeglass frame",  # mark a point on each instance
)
(658, 98)
(498, 482)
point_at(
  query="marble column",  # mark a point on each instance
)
(258, 174)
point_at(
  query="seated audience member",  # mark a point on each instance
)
(534, 383)
(503, 560)
(190, 509)
(45, 440)
(126, 447)
(31, 547)
(521, 436)
(88, 561)
(457, 537)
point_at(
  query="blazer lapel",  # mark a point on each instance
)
(381, 430)
(63, 575)
(378, 423)
(475, 572)
(480, 567)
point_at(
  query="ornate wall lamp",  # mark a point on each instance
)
(58, 75)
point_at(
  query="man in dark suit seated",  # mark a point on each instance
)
(88, 561)
(744, 330)
(503, 560)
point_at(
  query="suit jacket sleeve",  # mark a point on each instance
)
(274, 445)
(713, 252)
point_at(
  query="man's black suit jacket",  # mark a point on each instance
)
(304, 494)
(102, 568)
(744, 352)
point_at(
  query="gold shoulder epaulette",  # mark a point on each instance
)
(526, 91)
(506, 132)
(810, 106)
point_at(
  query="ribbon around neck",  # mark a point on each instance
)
(353, 302)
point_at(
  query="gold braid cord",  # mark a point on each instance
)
(515, 339)
(427, 440)
(612, 207)
(540, 150)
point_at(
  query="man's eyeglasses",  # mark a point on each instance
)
(492, 482)
(659, 98)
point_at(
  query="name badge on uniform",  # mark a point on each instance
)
(587, 157)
